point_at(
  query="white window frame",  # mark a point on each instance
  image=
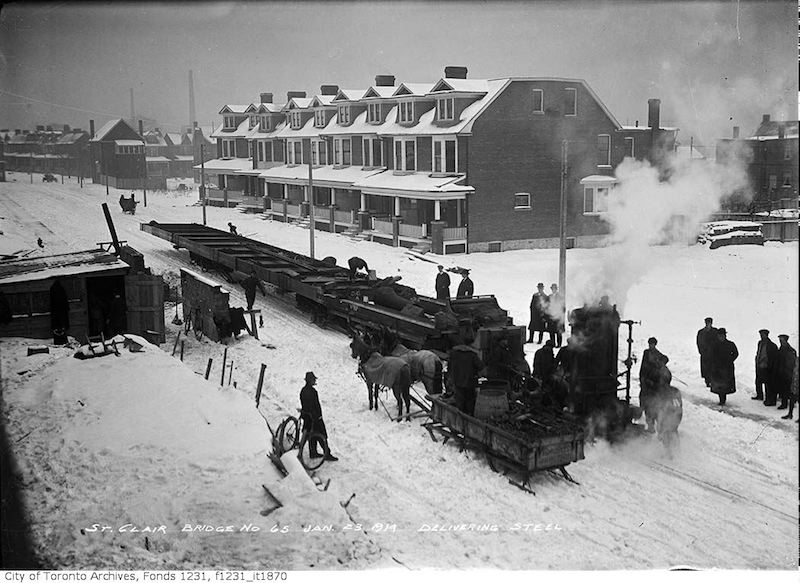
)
(405, 112)
(228, 149)
(260, 150)
(265, 123)
(344, 114)
(607, 162)
(446, 108)
(787, 178)
(367, 145)
(522, 201)
(373, 112)
(295, 119)
(441, 143)
(599, 199)
(787, 151)
(630, 147)
(252, 120)
(574, 91)
(319, 118)
(229, 122)
(319, 155)
(400, 155)
(540, 93)
(342, 156)
(293, 148)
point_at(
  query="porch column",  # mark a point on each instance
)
(364, 222)
(285, 203)
(397, 206)
(437, 237)
(437, 210)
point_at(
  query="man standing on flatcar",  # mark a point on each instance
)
(463, 367)
(706, 338)
(442, 284)
(466, 288)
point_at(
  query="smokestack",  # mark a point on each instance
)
(292, 94)
(266, 98)
(781, 132)
(455, 72)
(384, 80)
(765, 118)
(192, 116)
(329, 89)
(653, 113)
(133, 111)
(141, 128)
(66, 129)
(735, 132)
(91, 128)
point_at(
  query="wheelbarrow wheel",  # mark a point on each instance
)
(311, 463)
(287, 434)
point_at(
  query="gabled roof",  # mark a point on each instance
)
(299, 103)
(252, 108)
(771, 128)
(460, 86)
(174, 137)
(379, 91)
(241, 109)
(349, 95)
(241, 131)
(108, 127)
(416, 89)
(271, 107)
(63, 265)
(321, 100)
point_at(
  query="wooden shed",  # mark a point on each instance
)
(97, 291)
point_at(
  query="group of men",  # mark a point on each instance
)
(466, 288)
(776, 368)
(547, 315)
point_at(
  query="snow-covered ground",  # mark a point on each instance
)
(141, 439)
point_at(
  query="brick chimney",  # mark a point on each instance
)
(66, 129)
(653, 113)
(735, 132)
(781, 131)
(455, 72)
(329, 89)
(292, 94)
(384, 80)
(91, 128)
(141, 128)
(765, 118)
(266, 98)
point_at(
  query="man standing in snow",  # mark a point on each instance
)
(766, 362)
(556, 310)
(463, 368)
(442, 284)
(793, 389)
(653, 376)
(250, 284)
(466, 288)
(538, 322)
(311, 419)
(784, 369)
(706, 338)
(723, 372)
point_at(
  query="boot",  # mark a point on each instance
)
(758, 397)
(329, 457)
(782, 406)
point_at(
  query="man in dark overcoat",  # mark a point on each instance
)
(250, 284)
(556, 310)
(538, 321)
(653, 376)
(544, 364)
(466, 288)
(311, 419)
(442, 284)
(783, 370)
(356, 263)
(766, 363)
(463, 367)
(723, 372)
(706, 338)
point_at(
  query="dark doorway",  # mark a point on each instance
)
(106, 305)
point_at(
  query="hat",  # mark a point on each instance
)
(763, 331)
(465, 272)
(721, 331)
(652, 340)
(310, 376)
(783, 336)
(709, 320)
(539, 285)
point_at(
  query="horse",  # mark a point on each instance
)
(426, 366)
(378, 370)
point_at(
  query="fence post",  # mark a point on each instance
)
(182, 343)
(260, 384)
(208, 367)
(224, 360)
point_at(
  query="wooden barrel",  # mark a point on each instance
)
(495, 385)
(490, 403)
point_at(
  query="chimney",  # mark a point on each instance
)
(141, 128)
(455, 72)
(384, 80)
(17, 132)
(292, 94)
(653, 113)
(39, 128)
(266, 97)
(329, 89)
(66, 129)
(765, 118)
(735, 132)
(781, 132)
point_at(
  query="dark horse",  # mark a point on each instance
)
(382, 371)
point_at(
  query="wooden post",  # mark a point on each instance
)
(208, 367)
(230, 374)
(253, 327)
(175, 346)
(182, 343)
(260, 383)
(224, 361)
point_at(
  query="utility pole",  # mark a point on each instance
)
(31, 166)
(202, 179)
(311, 195)
(144, 179)
(562, 249)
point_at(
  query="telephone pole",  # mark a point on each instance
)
(562, 235)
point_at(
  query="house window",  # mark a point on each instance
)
(604, 150)
(260, 151)
(629, 152)
(268, 152)
(373, 152)
(773, 181)
(373, 112)
(444, 155)
(405, 112)
(228, 148)
(787, 178)
(445, 109)
(787, 151)
(344, 114)
(570, 101)
(405, 157)
(538, 101)
(252, 120)
(522, 201)
(341, 152)
(229, 122)
(295, 151)
(296, 119)
(319, 152)
(319, 118)
(265, 123)
(595, 200)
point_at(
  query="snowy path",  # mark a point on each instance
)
(727, 499)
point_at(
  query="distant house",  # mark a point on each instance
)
(118, 155)
(203, 149)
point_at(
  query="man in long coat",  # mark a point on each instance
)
(442, 284)
(250, 284)
(653, 377)
(355, 264)
(556, 310)
(723, 372)
(766, 363)
(706, 338)
(311, 418)
(466, 288)
(538, 321)
(784, 369)
(544, 364)
(463, 367)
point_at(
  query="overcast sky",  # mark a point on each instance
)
(713, 64)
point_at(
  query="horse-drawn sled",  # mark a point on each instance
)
(128, 205)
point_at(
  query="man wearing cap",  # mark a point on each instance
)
(706, 338)
(653, 376)
(442, 284)
(538, 321)
(232, 229)
(766, 361)
(311, 418)
(466, 287)
(784, 369)
(723, 372)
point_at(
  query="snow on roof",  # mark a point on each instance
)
(176, 138)
(184, 158)
(103, 131)
(418, 183)
(307, 131)
(271, 107)
(299, 102)
(235, 108)
(410, 89)
(349, 94)
(461, 85)
(342, 177)
(321, 100)
(241, 131)
(157, 159)
(377, 91)
(63, 265)
(359, 126)
(769, 138)
(129, 142)
(599, 178)
(222, 165)
(287, 174)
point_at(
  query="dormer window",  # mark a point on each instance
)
(229, 122)
(265, 123)
(344, 114)
(319, 118)
(295, 120)
(445, 109)
(405, 112)
(252, 120)
(373, 112)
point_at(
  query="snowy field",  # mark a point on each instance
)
(142, 440)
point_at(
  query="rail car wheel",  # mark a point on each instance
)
(311, 463)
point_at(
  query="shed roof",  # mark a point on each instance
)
(63, 265)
